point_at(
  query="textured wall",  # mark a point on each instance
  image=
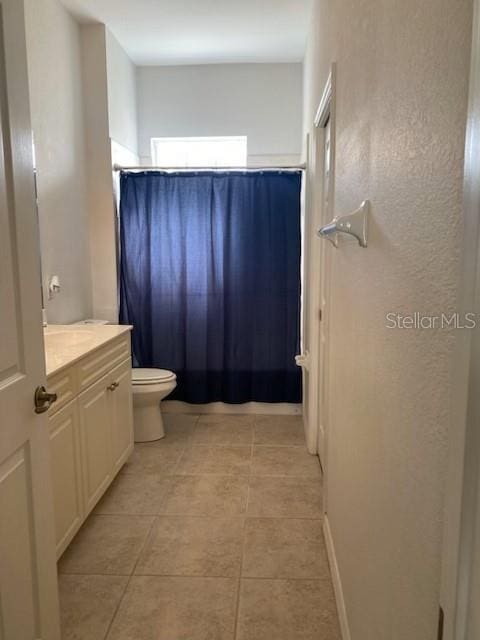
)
(402, 70)
(54, 65)
(103, 246)
(262, 101)
(122, 95)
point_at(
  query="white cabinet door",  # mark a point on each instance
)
(122, 415)
(66, 474)
(94, 407)
(28, 580)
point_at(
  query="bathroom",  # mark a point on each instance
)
(208, 430)
(213, 304)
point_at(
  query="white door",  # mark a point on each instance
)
(473, 616)
(310, 304)
(28, 582)
(326, 248)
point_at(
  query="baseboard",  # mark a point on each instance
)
(263, 408)
(337, 583)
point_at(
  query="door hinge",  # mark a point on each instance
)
(320, 315)
(441, 618)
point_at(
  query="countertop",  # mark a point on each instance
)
(66, 344)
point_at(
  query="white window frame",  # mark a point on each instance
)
(176, 160)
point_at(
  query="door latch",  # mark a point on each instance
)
(43, 400)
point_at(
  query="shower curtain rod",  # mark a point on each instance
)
(302, 166)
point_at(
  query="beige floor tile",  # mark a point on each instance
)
(193, 547)
(284, 461)
(284, 548)
(217, 460)
(285, 497)
(279, 430)
(179, 420)
(153, 458)
(287, 610)
(179, 428)
(227, 419)
(107, 545)
(224, 430)
(88, 604)
(156, 608)
(206, 496)
(134, 494)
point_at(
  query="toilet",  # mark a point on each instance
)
(150, 386)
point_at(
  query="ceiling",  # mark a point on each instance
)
(170, 32)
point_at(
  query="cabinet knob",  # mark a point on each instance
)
(113, 386)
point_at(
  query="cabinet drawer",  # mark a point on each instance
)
(93, 367)
(64, 384)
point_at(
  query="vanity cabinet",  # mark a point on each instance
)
(66, 471)
(122, 407)
(95, 413)
(91, 433)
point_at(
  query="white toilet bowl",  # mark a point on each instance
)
(150, 386)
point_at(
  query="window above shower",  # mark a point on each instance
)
(217, 151)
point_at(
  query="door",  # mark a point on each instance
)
(307, 303)
(326, 214)
(66, 474)
(460, 585)
(316, 273)
(122, 415)
(94, 409)
(28, 583)
(473, 615)
(311, 295)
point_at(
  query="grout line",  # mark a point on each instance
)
(247, 475)
(205, 515)
(239, 581)
(242, 444)
(320, 580)
(224, 577)
(177, 464)
(183, 447)
(190, 576)
(244, 532)
(132, 573)
(114, 614)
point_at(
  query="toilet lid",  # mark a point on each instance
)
(151, 376)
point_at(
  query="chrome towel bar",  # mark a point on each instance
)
(355, 224)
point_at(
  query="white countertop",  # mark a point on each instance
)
(66, 344)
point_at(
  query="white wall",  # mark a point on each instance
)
(54, 60)
(402, 71)
(101, 210)
(262, 101)
(122, 98)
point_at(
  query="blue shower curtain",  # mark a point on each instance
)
(210, 280)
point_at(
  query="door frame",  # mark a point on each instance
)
(326, 113)
(314, 214)
(462, 504)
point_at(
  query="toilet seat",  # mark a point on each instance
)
(143, 376)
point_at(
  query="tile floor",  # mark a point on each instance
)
(213, 533)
